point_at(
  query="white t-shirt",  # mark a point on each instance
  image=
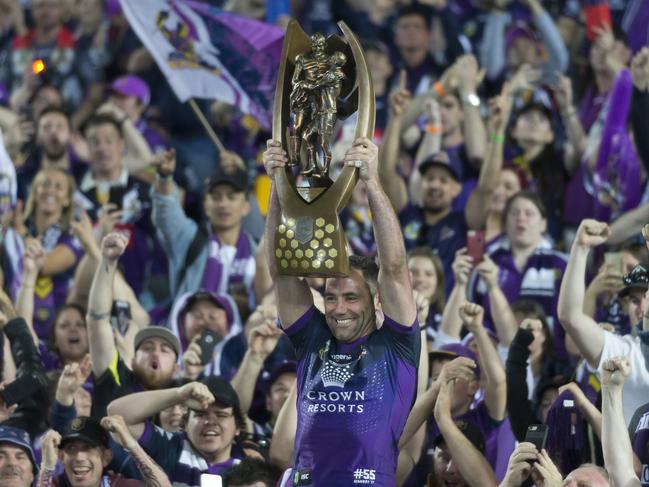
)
(636, 387)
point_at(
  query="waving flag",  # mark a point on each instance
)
(207, 53)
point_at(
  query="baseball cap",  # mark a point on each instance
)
(160, 332)
(638, 278)
(438, 160)
(468, 429)
(218, 300)
(454, 350)
(237, 178)
(85, 429)
(518, 30)
(131, 85)
(20, 438)
(223, 392)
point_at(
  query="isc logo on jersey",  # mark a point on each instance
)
(364, 476)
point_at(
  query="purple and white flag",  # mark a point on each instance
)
(207, 53)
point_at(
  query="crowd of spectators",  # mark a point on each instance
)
(146, 337)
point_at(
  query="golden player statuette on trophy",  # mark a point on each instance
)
(320, 81)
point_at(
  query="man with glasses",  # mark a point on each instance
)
(213, 421)
(596, 345)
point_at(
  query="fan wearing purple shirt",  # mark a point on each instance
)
(528, 266)
(356, 382)
(48, 215)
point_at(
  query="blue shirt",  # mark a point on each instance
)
(353, 402)
(446, 237)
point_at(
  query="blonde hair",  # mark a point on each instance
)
(67, 211)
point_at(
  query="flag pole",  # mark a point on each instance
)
(206, 125)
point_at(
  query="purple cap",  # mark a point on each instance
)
(215, 298)
(454, 350)
(519, 29)
(20, 438)
(131, 85)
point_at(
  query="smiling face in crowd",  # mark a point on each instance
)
(84, 463)
(212, 432)
(15, 466)
(71, 335)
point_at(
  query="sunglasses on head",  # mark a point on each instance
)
(638, 275)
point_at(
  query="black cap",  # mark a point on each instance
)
(438, 160)
(468, 429)
(237, 178)
(222, 391)
(85, 429)
(638, 278)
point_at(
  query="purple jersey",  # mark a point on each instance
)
(539, 281)
(353, 402)
(639, 431)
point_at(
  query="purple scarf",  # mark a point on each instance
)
(220, 274)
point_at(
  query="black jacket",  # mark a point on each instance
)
(29, 389)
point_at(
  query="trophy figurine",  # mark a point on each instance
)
(321, 80)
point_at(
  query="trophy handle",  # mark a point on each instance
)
(347, 179)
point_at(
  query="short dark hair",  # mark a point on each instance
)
(368, 268)
(55, 109)
(251, 470)
(532, 309)
(530, 196)
(103, 119)
(416, 9)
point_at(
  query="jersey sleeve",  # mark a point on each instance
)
(163, 447)
(403, 340)
(308, 333)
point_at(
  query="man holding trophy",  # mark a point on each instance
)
(357, 362)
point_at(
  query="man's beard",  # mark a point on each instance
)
(151, 380)
(55, 153)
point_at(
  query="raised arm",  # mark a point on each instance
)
(194, 395)
(293, 294)
(576, 145)
(618, 454)
(451, 324)
(100, 302)
(588, 337)
(281, 448)
(478, 205)
(495, 387)
(501, 313)
(395, 186)
(395, 289)
(32, 262)
(587, 408)
(152, 474)
(458, 368)
(471, 464)
(261, 343)
(475, 135)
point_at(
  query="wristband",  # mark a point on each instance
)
(164, 178)
(432, 129)
(497, 138)
(439, 89)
